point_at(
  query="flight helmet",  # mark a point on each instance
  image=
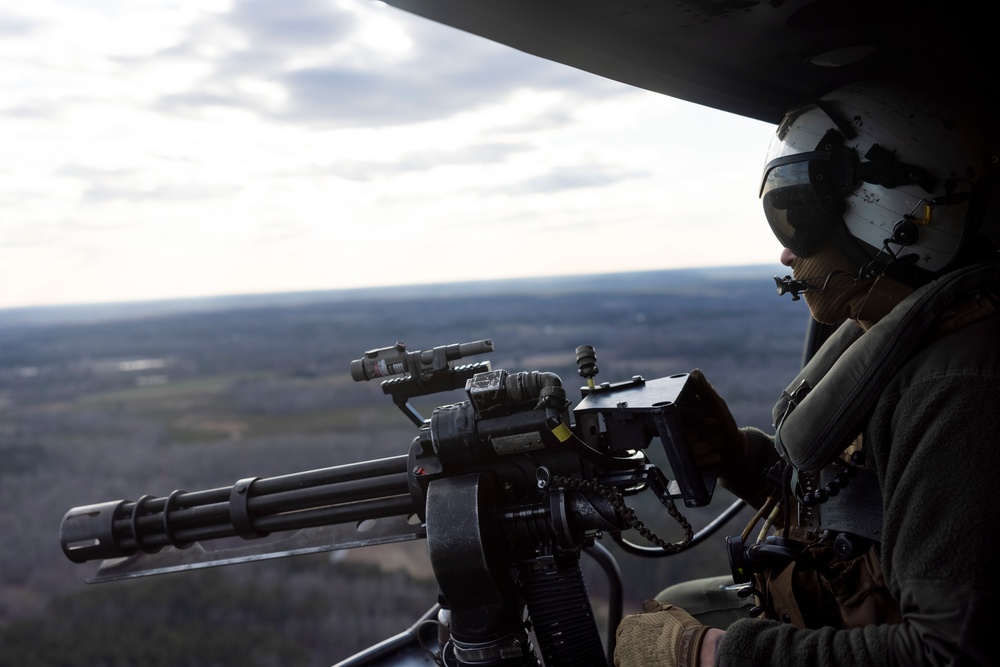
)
(899, 182)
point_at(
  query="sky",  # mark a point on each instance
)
(162, 149)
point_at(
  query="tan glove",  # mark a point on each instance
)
(709, 428)
(662, 635)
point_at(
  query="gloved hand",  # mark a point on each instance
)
(662, 635)
(709, 427)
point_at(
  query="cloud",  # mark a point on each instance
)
(295, 24)
(167, 193)
(334, 73)
(88, 173)
(102, 185)
(418, 161)
(30, 110)
(429, 85)
(474, 154)
(574, 178)
(16, 26)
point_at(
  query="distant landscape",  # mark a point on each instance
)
(118, 400)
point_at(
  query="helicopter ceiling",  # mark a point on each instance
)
(748, 57)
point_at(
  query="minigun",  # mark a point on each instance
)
(508, 488)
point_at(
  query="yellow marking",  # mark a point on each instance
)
(562, 432)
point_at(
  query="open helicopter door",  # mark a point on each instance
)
(748, 57)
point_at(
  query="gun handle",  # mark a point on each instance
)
(696, 485)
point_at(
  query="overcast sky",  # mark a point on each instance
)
(168, 149)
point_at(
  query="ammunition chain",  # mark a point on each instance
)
(627, 514)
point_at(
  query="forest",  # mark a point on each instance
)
(114, 401)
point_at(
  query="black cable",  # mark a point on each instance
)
(655, 552)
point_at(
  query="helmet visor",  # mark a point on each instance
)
(796, 203)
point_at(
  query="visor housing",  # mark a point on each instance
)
(799, 201)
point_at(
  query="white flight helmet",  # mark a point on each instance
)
(896, 179)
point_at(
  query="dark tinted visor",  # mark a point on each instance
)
(796, 203)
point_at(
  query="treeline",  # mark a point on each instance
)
(644, 328)
(313, 615)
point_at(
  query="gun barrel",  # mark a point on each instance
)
(251, 508)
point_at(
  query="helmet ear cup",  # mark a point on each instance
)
(905, 233)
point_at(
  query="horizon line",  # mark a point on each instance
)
(380, 289)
